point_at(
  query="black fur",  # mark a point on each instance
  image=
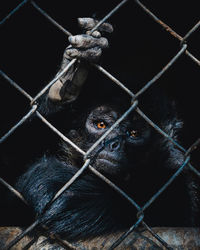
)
(140, 166)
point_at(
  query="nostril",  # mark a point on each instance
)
(114, 145)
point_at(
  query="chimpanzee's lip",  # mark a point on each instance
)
(108, 162)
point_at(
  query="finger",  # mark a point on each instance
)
(54, 91)
(89, 23)
(86, 41)
(91, 54)
(95, 34)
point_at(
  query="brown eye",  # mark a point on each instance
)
(134, 133)
(101, 125)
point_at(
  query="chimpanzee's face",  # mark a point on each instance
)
(121, 147)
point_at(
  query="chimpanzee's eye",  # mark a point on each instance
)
(100, 124)
(134, 133)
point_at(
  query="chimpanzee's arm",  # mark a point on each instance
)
(82, 211)
(85, 48)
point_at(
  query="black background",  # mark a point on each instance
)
(31, 50)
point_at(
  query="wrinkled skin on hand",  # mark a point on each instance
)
(85, 48)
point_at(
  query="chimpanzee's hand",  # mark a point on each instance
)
(84, 47)
(88, 46)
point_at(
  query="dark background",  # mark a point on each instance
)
(31, 50)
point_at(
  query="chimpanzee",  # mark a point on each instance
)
(134, 156)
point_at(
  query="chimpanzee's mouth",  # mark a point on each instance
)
(107, 162)
(110, 166)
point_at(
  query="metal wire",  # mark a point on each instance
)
(4, 137)
(169, 29)
(133, 106)
(163, 188)
(117, 242)
(13, 190)
(14, 84)
(13, 12)
(50, 19)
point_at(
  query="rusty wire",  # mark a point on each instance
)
(134, 106)
(170, 30)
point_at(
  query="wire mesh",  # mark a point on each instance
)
(134, 105)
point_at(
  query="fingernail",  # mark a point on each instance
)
(70, 39)
(71, 52)
(96, 34)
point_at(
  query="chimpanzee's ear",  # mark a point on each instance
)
(172, 127)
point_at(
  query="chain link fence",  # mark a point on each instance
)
(134, 105)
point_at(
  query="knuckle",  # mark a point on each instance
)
(89, 23)
(96, 34)
(86, 23)
(72, 52)
(103, 42)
